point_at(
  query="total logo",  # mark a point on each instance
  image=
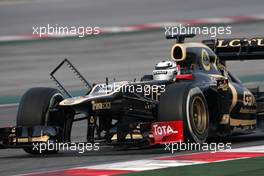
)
(163, 130)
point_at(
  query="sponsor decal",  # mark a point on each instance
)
(248, 99)
(205, 60)
(104, 105)
(160, 72)
(167, 132)
(223, 43)
(222, 84)
(248, 111)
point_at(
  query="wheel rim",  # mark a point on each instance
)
(198, 115)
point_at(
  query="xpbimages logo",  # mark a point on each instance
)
(80, 31)
(212, 31)
(54, 146)
(210, 147)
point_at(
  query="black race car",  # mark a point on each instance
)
(190, 98)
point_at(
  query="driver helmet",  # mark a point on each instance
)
(165, 70)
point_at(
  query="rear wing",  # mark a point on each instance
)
(237, 48)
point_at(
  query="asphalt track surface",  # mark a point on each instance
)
(18, 16)
(16, 161)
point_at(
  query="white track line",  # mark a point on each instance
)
(9, 105)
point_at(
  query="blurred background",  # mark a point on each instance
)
(122, 55)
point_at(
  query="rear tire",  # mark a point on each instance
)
(34, 108)
(183, 101)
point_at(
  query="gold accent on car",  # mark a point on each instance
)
(232, 43)
(225, 119)
(234, 98)
(104, 105)
(247, 111)
(182, 50)
(44, 138)
(205, 60)
(92, 119)
(129, 136)
(239, 122)
(223, 43)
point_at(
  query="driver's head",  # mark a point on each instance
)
(165, 70)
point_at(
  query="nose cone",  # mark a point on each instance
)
(73, 101)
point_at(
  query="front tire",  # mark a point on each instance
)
(34, 109)
(183, 101)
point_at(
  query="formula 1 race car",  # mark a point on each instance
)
(188, 99)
